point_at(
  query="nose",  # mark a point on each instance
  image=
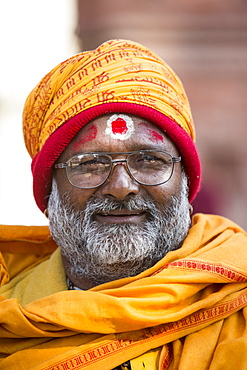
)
(120, 184)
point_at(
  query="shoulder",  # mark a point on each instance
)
(21, 248)
(216, 224)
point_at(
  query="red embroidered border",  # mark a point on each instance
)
(96, 353)
(218, 269)
(167, 360)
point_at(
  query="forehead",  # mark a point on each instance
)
(119, 133)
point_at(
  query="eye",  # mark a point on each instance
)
(150, 162)
(153, 159)
(89, 163)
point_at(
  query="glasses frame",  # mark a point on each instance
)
(115, 162)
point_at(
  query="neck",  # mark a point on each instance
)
(81, 283)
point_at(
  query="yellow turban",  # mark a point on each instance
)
(118, 76)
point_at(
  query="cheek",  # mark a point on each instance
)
(77, 197)
(162, 194)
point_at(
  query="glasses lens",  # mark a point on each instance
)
(88, 170)
(150, 167)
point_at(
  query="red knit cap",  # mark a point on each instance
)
(120, 76)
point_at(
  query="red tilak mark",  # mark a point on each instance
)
(155, 136)
(119, 126)
(91, 135)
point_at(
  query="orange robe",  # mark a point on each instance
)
(188, 311)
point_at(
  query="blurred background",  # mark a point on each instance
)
(204, 41)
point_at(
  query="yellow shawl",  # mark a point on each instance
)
(191, 305)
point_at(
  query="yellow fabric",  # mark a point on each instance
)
(149, 360)
(192, 304)
(100, 76)
(22, 247)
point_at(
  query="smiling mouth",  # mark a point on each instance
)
(121, 216)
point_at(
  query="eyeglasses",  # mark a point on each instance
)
(147, 167)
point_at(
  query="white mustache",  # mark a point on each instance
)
(133, 204)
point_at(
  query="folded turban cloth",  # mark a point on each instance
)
(119, 76)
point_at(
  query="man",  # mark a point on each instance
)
(128, 280)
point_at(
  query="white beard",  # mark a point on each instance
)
(102, 252)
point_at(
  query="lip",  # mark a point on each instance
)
(121, 216)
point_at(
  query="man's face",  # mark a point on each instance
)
(98, 136)
(121, 227)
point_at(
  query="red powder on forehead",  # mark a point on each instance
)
(119, 126)
(154, 136)
(90, 135)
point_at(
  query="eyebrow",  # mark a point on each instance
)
(149, 146)
(134, 148)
